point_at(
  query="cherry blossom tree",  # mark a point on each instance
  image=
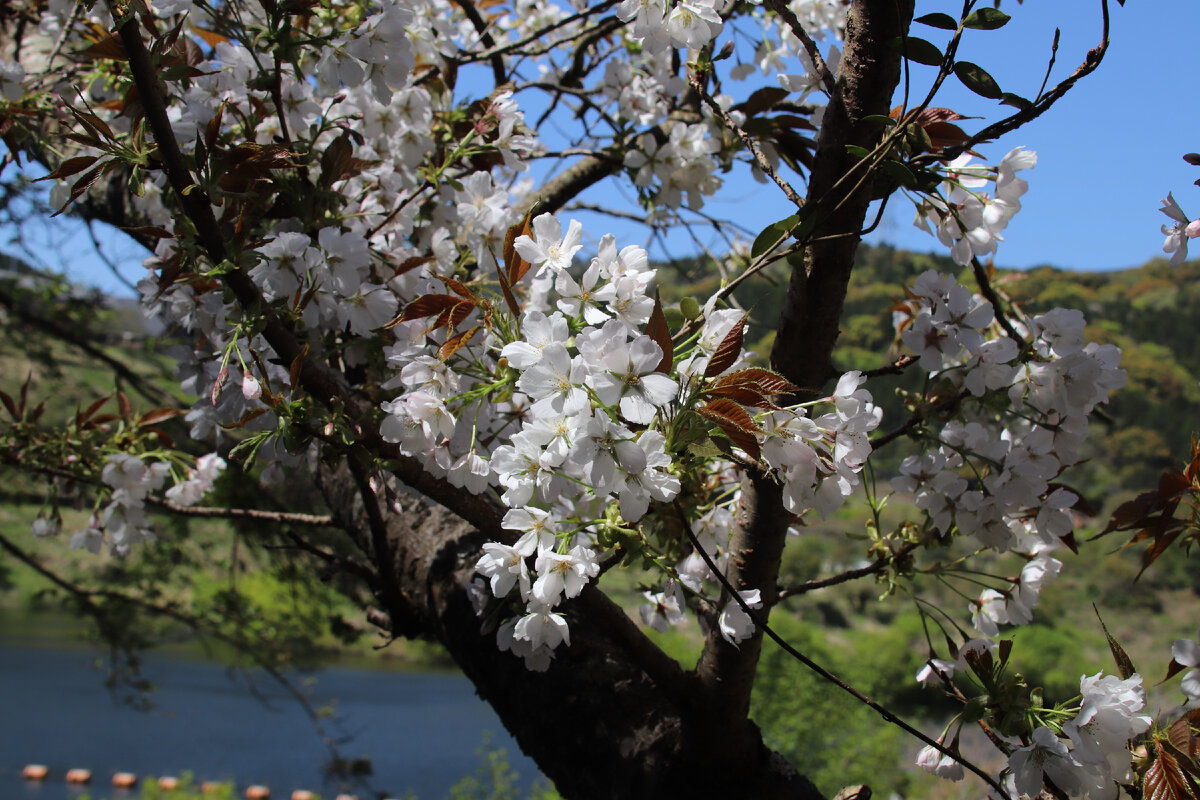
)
(361, 219)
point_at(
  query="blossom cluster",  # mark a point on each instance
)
(1098, 759)
(965, 218)
(579, 434)
(122, 522)
(990, 474)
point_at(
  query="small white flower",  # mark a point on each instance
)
(735, 623)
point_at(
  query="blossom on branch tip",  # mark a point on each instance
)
(1178, 231)
(1186, 653)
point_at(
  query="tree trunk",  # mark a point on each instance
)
(612, 717)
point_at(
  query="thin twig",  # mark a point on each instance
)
(871, 569)
(209, 512)
(989, 293)
(759, 158)
(783, 10)
(760, 622)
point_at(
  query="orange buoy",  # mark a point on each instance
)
(79, 776)
(212, 787)
(168, 783)
(257, 792)
(35, 772)
(124, 780)
(303, 794)
(347, 797)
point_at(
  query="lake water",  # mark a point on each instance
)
(420, 730)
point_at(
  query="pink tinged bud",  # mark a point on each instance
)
(222, 377)
(1193, 229)
(251, 388)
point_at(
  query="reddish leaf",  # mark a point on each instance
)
(124, 405)
(158, 415)
(793, 122)
(151, 231)
(82, 417)
(108, 47)
(656, 329)
(297, 364)
(428, 305)
(213, 129)
(456, 343)
(70, 167)
(937, 114)
(455, 317)
(944, 134)
(1165, 779)
(729, 411)
(1173, 669)
(509, 298)
(1180, 735)
(1165, 534)
(1124, 663)
(219, 384)
(515, 267)
(1187, 764)
(211, 38)
(23, 398)
(733, 420)
(96, 125)
(335, 161)
(411, 263)
(761, 100)
(10, 405)
(82, 185)
(458, 288)
(162, 435)
(247, 418)
(751, 387)
(727, 351)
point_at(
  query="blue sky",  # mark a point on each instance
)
(1108, 152)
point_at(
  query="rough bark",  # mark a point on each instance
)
(870, 70)
(755, 550)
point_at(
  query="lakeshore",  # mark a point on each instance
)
(420, 730)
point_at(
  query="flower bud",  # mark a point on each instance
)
(251, 388)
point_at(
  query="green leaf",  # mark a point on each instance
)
(918, 50)
(857, 151)
(1016, 101)
(773, 234)
(986, 19)
(976, 78)
(900, 172)
(938, 20)
(879, 119)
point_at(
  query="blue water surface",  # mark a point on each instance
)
(420, 730)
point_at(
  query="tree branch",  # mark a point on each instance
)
(808, 327)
